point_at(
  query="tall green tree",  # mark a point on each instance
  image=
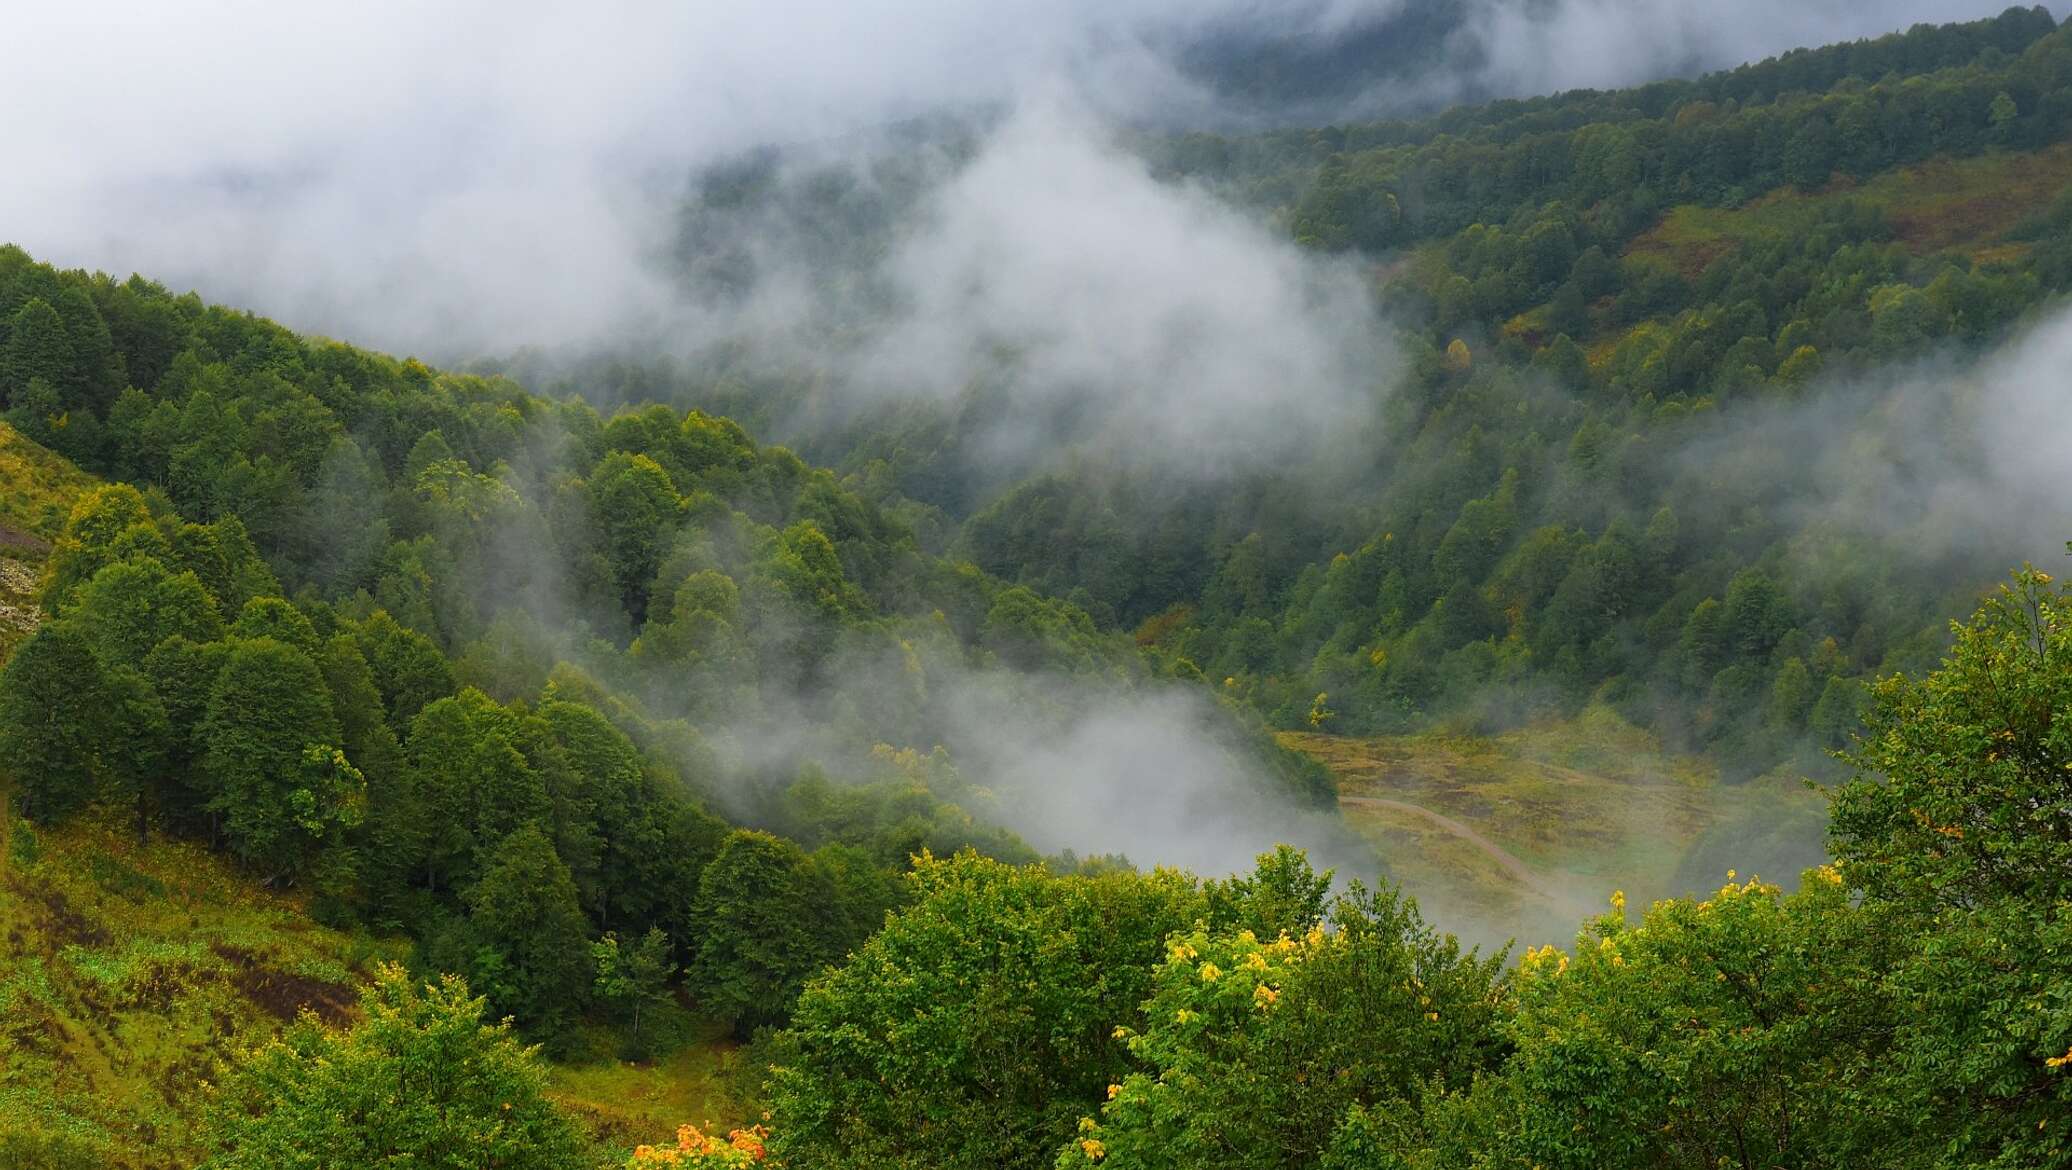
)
(531, 942)
(634, 977)
(979, 1025)
(274, 775)
(473, 783)
(183, 675)
(407, 666)
(635, 506)
(752, 935)
(52, 701)
(136, 741)
(131, 606)
(38, 411)
(604, 821)
(1257, 1049)
(38, 347)
(89, 539)
(1956, 825)
(277, 618)
(1732, 1031)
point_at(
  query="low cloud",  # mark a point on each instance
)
(473, 177)
(1156, 774)
(1175, 329)
(1946, 461)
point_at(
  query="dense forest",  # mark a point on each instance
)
(1605, 299)
(600, 726)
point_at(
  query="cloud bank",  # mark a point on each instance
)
(471, 176)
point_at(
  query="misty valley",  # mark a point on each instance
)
(1358, 584)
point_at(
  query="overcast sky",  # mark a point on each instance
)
(471, 175)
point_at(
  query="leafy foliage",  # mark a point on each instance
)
(306, 624)
(420, 1080)
(965, 1032)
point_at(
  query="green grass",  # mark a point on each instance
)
(129, 973)
(37, 487)
(37, 490)
(1590, 805)
(626, 1104)
(132, 975)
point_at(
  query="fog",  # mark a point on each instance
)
(1945, 462)
(1198, 335)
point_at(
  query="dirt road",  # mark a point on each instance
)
(1510, 864)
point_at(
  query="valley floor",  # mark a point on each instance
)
(1520, 835)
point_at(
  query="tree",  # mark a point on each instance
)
(1282, 895)
(635, 506)
(472, 782)
(421, 1081)
(407, 667)
(276, 618)
(86, 544)
(1254, 1051)
(1955, 823)
(229, 565)
(38, 347)
(634, 978)
(131, 606)
(531, 953)
(1568, 314)
(700, 628)
(390, 839)
(1791, 697)
(1757, 614)
(752, 931)
(969, 1030)
(135, 742)
(182, 674)
(604, 816)
(1459, 359)
(273, 773)
(1809, 157)
(1800, 368)
(38, 411)
(1726, 1032)
(2002, 116)
(51, 705)
(97, 374)
(801, 563)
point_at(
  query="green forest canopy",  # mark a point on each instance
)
(326, 612)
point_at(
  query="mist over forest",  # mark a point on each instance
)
(1051, 584)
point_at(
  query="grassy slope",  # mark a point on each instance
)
(37, 489)
(128, 973)
(626, 1104)
(1590, 805)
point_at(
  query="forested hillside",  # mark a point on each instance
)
(484, 671)
(1633, 328)
(471, 766)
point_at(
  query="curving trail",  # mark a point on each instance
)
(1504, 859)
